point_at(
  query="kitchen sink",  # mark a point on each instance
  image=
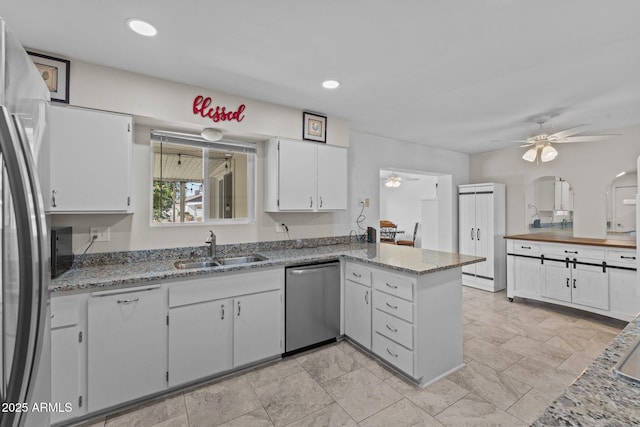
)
(197, 264)
(242, 259)
(220, 261)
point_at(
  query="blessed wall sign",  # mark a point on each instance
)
(217, 113)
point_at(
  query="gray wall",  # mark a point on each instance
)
(588, 166)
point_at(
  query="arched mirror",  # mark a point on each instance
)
(549, 206)
(621, 205)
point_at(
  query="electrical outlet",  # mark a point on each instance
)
(279, 228)
(366, 202)
(102, 234)
(363, 201)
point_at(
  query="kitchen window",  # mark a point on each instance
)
(195, 181)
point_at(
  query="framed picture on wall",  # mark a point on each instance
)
(55, 73)
(314, 127)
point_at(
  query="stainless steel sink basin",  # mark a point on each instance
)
(629, 365)
(220, 261)
(197, 264)
(242, 259)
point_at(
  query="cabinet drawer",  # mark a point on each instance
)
(579, 252)
(393, 353)
(358, 273)
(526, 248)
(394, 284)
(392, 305)
(622, 258)
(393, 328)
(64, 311)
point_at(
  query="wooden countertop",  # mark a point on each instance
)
(556, 238)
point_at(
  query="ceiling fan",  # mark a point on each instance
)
(540, 145)
(394, 180)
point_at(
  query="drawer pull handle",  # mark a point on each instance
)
(570, 252)
(356, 274)
(395, 307)
(222, 312)
(238, 308)
(128, 301)
(391, 329)
(627, 257)
(391, 286)
(574, 283)
(392, 353)
(568, 283)
(366, 297)
(525, 247)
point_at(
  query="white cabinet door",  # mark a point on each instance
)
(557, 281)
(297, 176)
(624, 300)
(65, 371)
(529, 274)
(467, 228)
(200, 340)
(332, 178)
(357, 313)
(90, 160)
(590, 286)
(257, 327)
(126, 346)
(484, 234)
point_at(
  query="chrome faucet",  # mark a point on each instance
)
(212, 244)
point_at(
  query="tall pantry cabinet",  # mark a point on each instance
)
(481, 212)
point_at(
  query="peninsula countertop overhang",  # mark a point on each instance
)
(405, 260)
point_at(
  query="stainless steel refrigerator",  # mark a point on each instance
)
(25, 373)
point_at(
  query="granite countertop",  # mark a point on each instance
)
(559, 238)
(132, 271)
(600, 397)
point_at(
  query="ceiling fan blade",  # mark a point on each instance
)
(511, 140)
(585, 138)
(567, 132)
(530, 144)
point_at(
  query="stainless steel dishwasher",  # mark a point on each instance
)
(312, 305)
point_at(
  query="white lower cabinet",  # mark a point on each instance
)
(357, 313)
(593, 278)
(200, 337)
(68, 357)
(126, 345)
(223, 322)
(416, 321)
(257, 327)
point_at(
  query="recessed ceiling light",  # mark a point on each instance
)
(330, 84)
(141, 27)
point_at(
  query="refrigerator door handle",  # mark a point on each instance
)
(31, 236)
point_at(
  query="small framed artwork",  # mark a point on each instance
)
(314, 127)
(55, 73)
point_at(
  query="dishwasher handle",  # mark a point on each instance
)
(310, 268)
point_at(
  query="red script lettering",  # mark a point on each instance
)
(201, 106)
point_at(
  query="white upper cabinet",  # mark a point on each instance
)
(304, 176)
(90, 161)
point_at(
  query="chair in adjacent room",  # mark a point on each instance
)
(410, 242)
(388, 231)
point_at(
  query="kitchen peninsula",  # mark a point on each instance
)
(402, 305)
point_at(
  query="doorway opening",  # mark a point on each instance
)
(408, 197)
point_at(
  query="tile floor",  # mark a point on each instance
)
(519, 356)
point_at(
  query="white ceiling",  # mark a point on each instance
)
(457, 74)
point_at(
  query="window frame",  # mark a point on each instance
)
(232, 146)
